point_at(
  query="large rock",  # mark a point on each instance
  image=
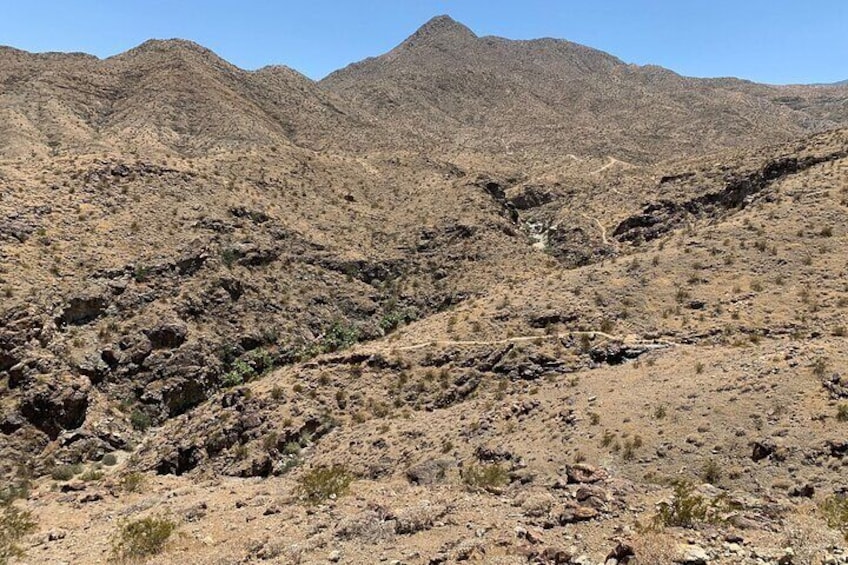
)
(167, 335)
(430, 472)
(692, 555)
(81, 310)
(56, 406)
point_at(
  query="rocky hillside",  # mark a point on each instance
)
(546, 97)
(161, 96)
(268, 320)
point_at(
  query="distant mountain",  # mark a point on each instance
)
(443, 90)
(551, 96)
(171, 94)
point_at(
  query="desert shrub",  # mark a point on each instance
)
(339, 336)
(820, 367)
(15, 523)
(132, 482)
(110, 460)
(140, 420)
(842, 413)
(229, 256)
(248, 368)
(143, 537)
(141, 273)
(394, 319)
(687, 508)
(65, 472)
(630, 446)
(835, 511)
(485, 477)
(238, 375)
(711, 472)
(91, 475)
(323, 483)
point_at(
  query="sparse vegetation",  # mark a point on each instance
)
(140, 420)
(686, 509)
(490, 477)
(132, 482)
(711, 472)
(324, 483)
(15, 523)
(142, 537)
(65, 472)
(835, 511)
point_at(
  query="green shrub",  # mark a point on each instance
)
(490, 478)
(141, 538)
(250, 367)
(240, 374)
(14, 525)
(140, 420)
(835, 510)
(132, 482)
(65, 472)
(687, 508)
(339, 336)
(393, 319)
(229, 256)
(711, 472)
(91, 475)
(842, 413)
(110, 460)
(141, 273)
(323, 483)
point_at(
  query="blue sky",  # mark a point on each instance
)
(775, 41)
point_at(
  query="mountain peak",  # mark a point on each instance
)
(170, 46)
(440, 27)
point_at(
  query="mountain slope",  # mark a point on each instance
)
(163, 95)
(547, 97)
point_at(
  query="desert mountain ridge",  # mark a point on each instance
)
(443, 88)
(474, 300)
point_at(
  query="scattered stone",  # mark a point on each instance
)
(584, 473)
(802, 491)
(573, 514)
(692, 555)
(429, 472)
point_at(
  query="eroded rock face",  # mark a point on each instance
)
(532, 197)
(56, 406)
(168, 335)
(81, 310)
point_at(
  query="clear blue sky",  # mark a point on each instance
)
(775, 41)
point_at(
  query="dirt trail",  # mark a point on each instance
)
(656, 344)
(612, 161)
(601, 227)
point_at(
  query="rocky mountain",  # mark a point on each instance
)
(471, 300)
(161, 96)
(548, 97)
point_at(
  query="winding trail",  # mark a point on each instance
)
(657, 344)
(612, 161)
(601, 226)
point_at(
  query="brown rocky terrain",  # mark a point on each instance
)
(472, 300)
